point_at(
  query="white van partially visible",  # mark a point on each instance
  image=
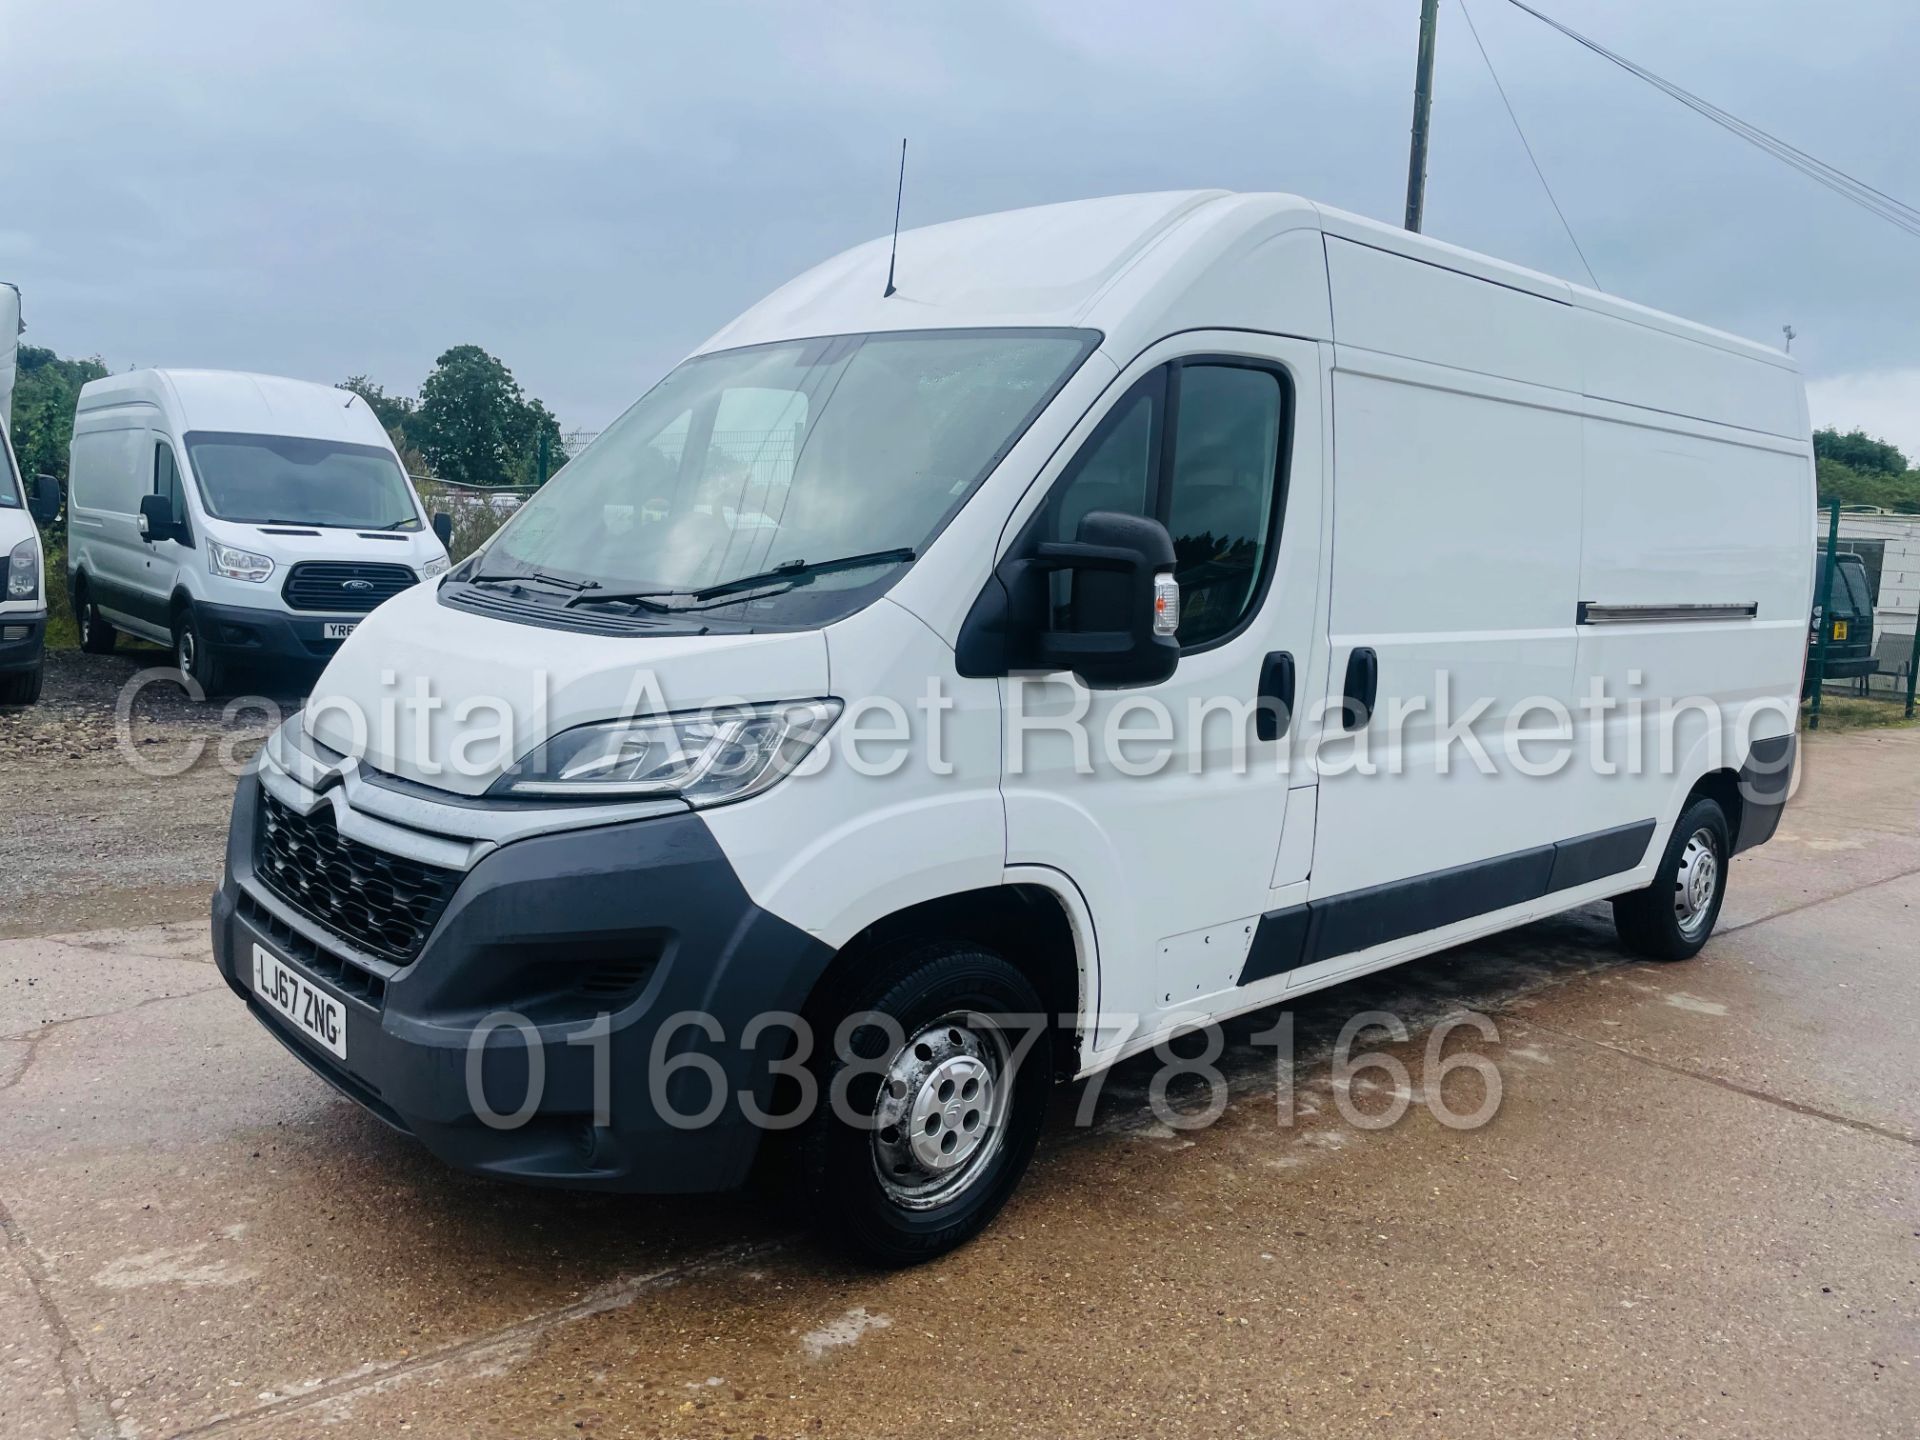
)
(24, 507)
(929, 690)
(239, 519)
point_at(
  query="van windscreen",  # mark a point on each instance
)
(801, 455)
(292, 480)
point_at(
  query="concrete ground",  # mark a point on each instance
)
(1697, 1211)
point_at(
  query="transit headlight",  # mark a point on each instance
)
(435, 567)
(23, 571)
(237, 564)
(708, 758)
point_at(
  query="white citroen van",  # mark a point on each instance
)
(1119, 596)
(240, 519)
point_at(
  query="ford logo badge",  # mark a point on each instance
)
(356, 584)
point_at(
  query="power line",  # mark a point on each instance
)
(1552, 200)
(1849, 187)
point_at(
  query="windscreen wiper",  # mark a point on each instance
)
(787, 574)
(801, 572)
(515, 578)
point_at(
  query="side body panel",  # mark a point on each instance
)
(901, 804)
(1455, 562)
(110, 468)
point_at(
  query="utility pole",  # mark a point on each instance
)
(1791, 334)
(1422, 113)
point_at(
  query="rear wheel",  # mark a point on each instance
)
(1672, 918)
(96, 635)
(192, 656)
(940, 1101)
(22, 687)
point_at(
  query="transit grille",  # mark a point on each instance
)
(385, 904)
(343, 588)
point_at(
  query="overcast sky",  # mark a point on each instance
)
(590, 190)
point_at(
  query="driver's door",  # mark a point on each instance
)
(1177, 837)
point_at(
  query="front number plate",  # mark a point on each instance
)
(338, 629)
(317, 1015)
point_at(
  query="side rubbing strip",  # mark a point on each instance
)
(1337, 925)
(1596, 856)
(1361, 919)
(1278, 944)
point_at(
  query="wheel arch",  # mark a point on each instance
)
(1723, 788)
(1034, 918)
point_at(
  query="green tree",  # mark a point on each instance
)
(392, 411)
(476, 426)
(46, 389)
(1859, 451)
(1899, 492)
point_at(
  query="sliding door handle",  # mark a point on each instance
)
(1274, 715)
(1363, 688)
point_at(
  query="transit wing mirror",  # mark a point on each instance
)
(157, 520)
(1123, 605)
(43, 500)
(443, 527)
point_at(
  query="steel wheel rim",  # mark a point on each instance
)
(1696, 884)
(941, 1116)
(187, 651)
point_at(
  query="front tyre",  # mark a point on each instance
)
(193, 657)
(940, 1096)
(96, 635)
(1672, 918)
(22, 687)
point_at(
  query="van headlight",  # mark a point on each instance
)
(23, 571)
(435, 567)
(237, 564)
(708, 758)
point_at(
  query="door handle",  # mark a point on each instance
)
(1274, 715)
(1363, 688)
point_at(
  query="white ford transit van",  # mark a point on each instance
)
(1152, 609)
(239, 519)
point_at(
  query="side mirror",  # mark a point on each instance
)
(1123, 607)
(443, 527)
(43, 500)
(157, 520)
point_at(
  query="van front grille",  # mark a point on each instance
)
(343, 588)
(385, 904)
(351, 977)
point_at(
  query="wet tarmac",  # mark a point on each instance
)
(1695, 1211)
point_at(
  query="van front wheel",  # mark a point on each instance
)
(22, 688)
(933, 1087)
(192, 657)
(1672, 918)
(96, 635)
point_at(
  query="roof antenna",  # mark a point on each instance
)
(898, 193)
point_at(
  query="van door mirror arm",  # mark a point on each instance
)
(157, 519)
(1118, 631)
(43, 500)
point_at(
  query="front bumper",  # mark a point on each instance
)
(242, 633)
(528, 932)
(23, 641)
